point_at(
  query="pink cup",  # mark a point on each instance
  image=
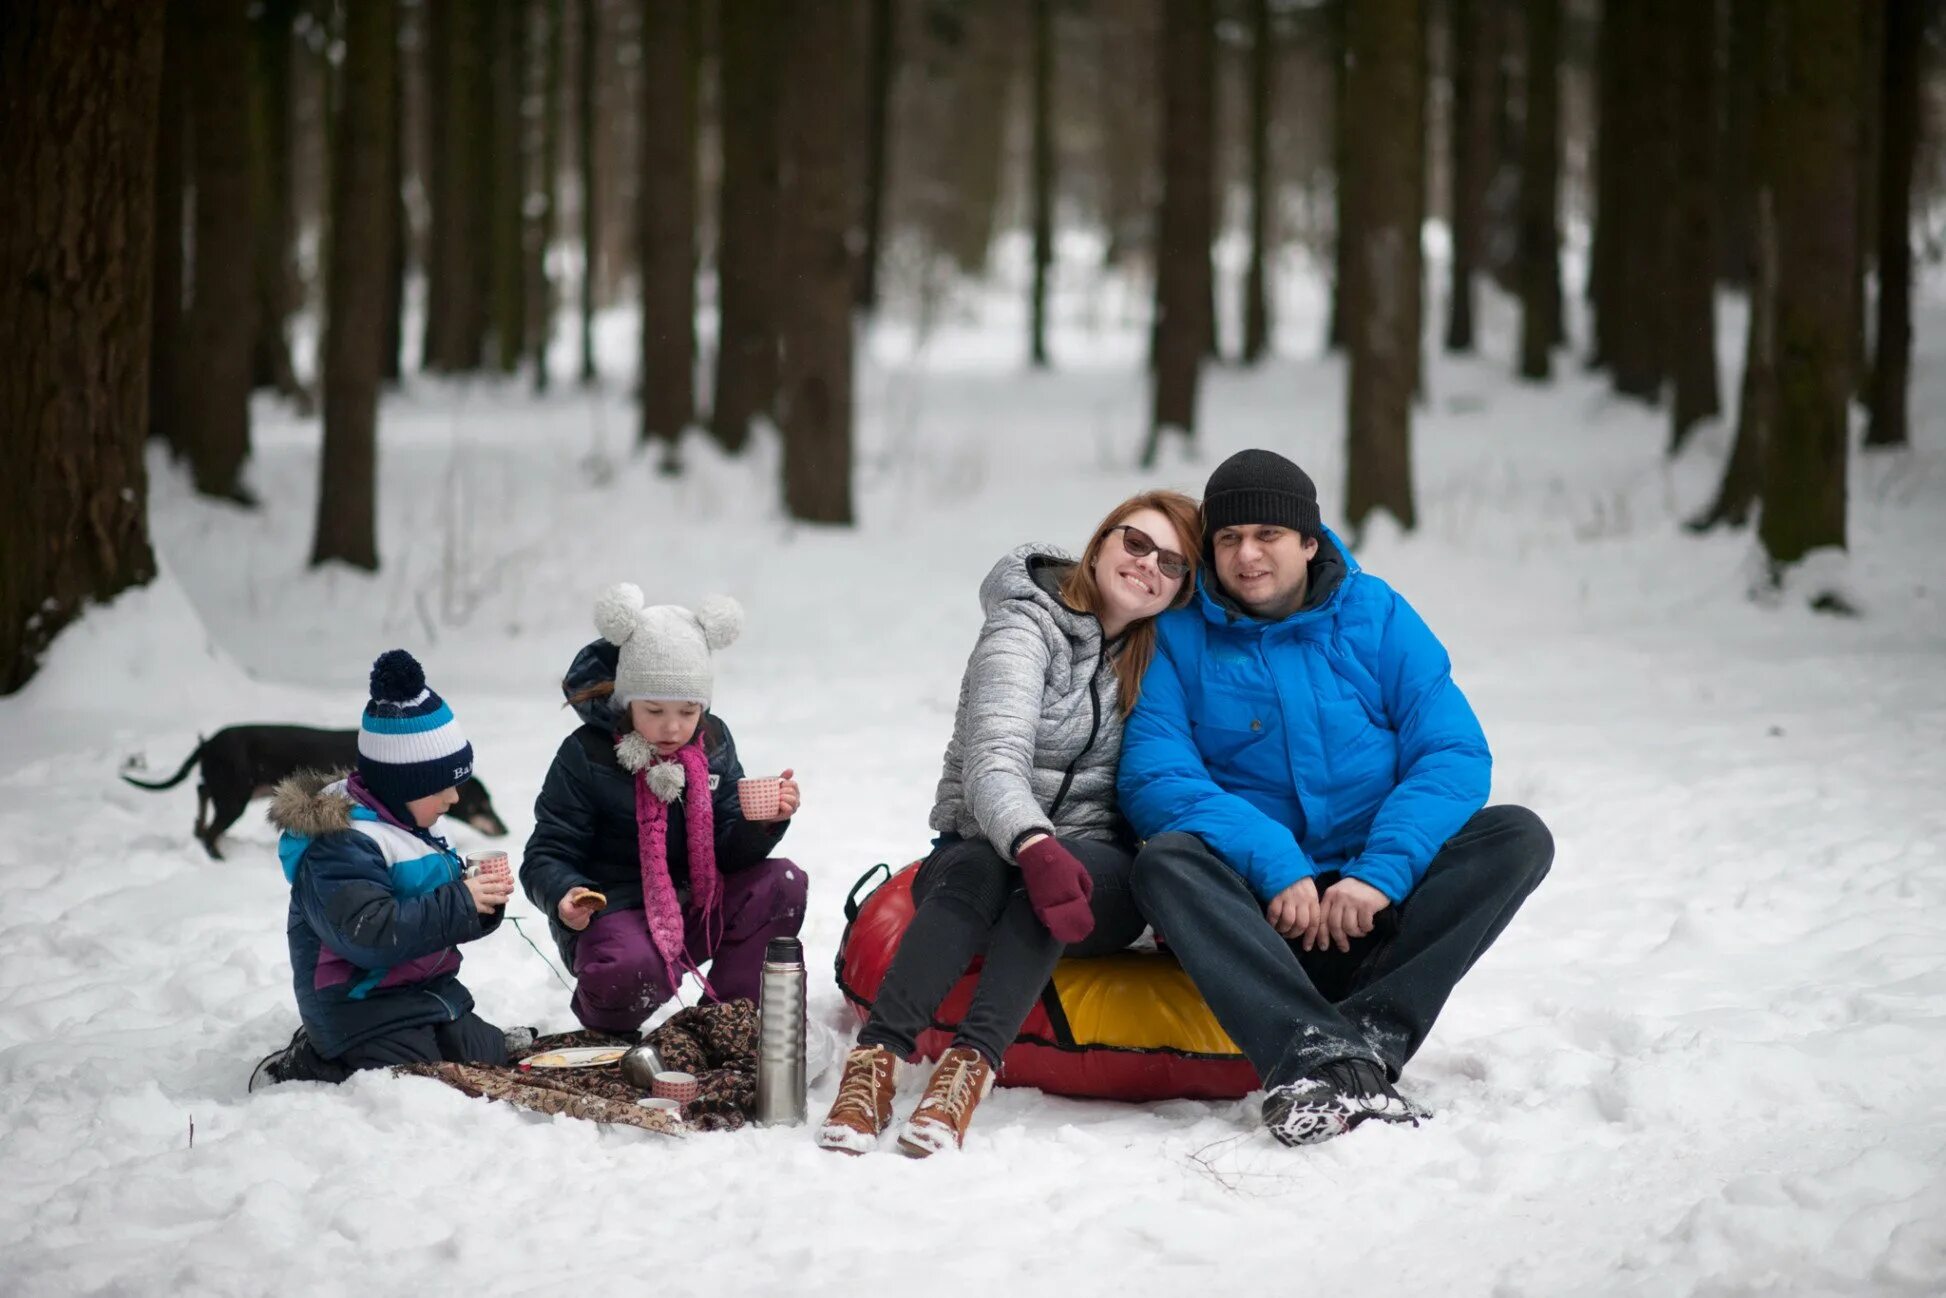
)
(760, 797)
(680, 1087)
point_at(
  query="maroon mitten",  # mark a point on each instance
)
(1059, 887)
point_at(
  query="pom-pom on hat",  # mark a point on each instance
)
(665, 648)
(409, 742)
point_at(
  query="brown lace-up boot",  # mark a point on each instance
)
(863, 1108)
(961, 1081)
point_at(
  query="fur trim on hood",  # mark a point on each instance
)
(301, 805)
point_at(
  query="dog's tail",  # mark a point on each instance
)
(175, 779)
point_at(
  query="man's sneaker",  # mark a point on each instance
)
(961, 1081)
(297, 1062)
(863, 1108)
(1332, 1100)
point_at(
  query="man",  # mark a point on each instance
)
(1310, 782)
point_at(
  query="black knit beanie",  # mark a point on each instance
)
(1260, 487)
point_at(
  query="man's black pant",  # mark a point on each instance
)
(1290, 1010)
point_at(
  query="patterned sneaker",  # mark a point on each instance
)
(961, 1081)
(1332, 1100)
(863, 1108)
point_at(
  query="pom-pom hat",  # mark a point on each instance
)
(409, 743)
(665, 648)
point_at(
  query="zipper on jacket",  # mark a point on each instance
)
(1094, 728)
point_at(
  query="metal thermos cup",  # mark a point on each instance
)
(781, 1074)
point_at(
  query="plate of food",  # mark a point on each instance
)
(576, 1057)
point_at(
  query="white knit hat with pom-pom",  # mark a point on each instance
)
(665, 648)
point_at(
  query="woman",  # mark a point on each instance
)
(1031, 858)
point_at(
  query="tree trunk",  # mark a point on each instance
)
(354, 339)
(1343, 232)
(1692, 235)
(1871, 91)
(541, 296)
(507, 179)
(1472, 143)
(981, 90)
(1645, 141)
(400, 239)
(884, 59)
(1126, 66)
(165, 306)
(1256, 281)
(1182, 278)
(815, 383)
(1043, 196)
(457, 266)
(1604, 257)
(222, 316)
(1817, 195)
(1540, 171)
(276, 225)
(584, 131)
(1899, 126)
(1736, 185)
(666, 188)
(748, 284)
(1385, 154)
(1757, 407)
(79, 91)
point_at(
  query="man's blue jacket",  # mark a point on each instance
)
(1333, 739)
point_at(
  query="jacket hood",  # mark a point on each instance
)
(312, 804)
(595, 665)
(1330, 568)
(1034, 573)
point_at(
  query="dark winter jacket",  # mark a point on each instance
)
(1331, 739)
(376, 917)
(584, 820)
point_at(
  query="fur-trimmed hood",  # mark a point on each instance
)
(311, 803)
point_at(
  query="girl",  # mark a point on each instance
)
(641, 856)
(1031, 857)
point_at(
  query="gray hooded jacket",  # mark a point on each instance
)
(1038, 734)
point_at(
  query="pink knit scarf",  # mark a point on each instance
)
(659, 902)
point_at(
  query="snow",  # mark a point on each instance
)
(1709, 1056)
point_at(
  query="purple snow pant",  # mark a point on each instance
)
(620, 977)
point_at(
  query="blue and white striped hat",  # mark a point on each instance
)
(409, 742)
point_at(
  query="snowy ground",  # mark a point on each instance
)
(1709, 1056)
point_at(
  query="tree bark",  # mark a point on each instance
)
(981, 90)
(1645, 140)
(1043, 188)
(222, 316)
(79, 92)
(884, 59)
(1817, 193)
(666, 188)
(815, 395)
(1385, 154)
(1604, 256)
(584, 124)
(276, 225)
(1540, 171)
(1256, 280)
(748, 284)
(457, 267)
(166, 297)
(1871, 83)
(1690, 215)
(1343, 231)
(1899, 127)
(1472, 144)
(1736, 184)
(506, 187)
(1182, 297)
(393, 364)
(1126, 68)
(354, 339)
(541, 296)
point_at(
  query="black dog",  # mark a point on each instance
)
(245, 762)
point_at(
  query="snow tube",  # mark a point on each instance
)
(1129, 1026)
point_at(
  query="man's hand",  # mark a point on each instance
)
(1294, 912)
(1349, 908)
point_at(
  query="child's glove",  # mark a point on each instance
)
(1059, 887)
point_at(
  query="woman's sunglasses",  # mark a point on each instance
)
(1140, 544)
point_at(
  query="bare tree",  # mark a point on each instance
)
(401, 231)
(79, 89)
(1043, 187)
(1385, 157)
(1817, 193)
(815, 383)
(1690, 214)
(1256, 280)
(750, 50)
(666, 188)
(506, 179)
(878, 126)
(1540, 173)
(354, 339)
(271, 147)
(457, 152)
(584, 133)
(1900, 126)
(222, 315)
(1472, 145)
(165, 309)
(541, 296)
(1183, 327)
